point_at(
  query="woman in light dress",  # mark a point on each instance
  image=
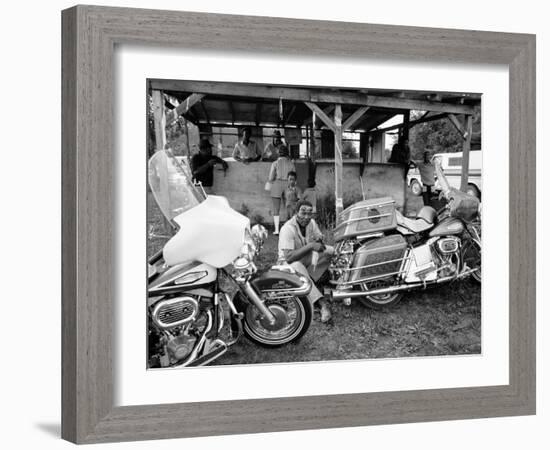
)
(278, 176)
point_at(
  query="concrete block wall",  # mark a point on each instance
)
(243, 184)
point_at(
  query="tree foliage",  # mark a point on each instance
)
(440, 135)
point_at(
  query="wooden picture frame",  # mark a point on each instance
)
(89, 37)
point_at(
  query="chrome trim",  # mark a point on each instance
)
(340, 294)
(258, 302)
(405, 266)
(364, 280)
(239, 320)
(169, 302)
(358, 219)
(160, 290)
(371, 235)
(221, 317)
(374, 205)
(375, 264)
(203, 273)
(175, 277)
(221, 344)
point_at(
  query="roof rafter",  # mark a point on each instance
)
(313, 95)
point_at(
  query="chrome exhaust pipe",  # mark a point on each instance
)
(194, 353)
(340, 295)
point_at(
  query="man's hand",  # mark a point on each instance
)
(318, 246)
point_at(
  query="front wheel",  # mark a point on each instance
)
(471, 257)
(292, 319)
(472, 190)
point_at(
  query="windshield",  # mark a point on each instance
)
(171, 182)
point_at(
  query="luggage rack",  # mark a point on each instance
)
(402, 270)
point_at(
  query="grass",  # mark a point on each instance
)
(445, 320)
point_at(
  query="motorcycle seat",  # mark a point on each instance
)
(417, 225)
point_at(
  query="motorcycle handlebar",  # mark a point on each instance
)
(445, 187)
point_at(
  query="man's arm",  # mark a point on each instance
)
(296, 255)
(236, 153)
(258, 152)
(221, 161)
(197, 170)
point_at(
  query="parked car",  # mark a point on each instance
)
(452, 167)
(414, 181)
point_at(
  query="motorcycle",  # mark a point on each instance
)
(380, 254)
(204, 289)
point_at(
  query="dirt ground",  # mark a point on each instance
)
(445, 320)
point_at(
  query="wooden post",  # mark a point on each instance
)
(338, 163)
(307, 141)
(187, 140)
(406, 125)
(312, 145)
(160, 120)
(466, 153)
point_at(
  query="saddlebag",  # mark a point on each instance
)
(379, 258)
(366, 217)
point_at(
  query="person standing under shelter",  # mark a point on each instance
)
(246, 150)
(427, 170)
(401, 154)
(301, 245)
(291, 195)
(271, 151)
(278, 176)
(202, 165)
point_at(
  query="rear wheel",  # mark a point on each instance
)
(292, 319)
(380, 301)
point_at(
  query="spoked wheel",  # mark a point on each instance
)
(292, 319)
(472, 190)
(416, 188)
(471, 257)
(380, 301)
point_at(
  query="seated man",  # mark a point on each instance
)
(301, 245)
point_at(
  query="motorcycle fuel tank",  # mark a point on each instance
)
(183, 276)
(447, 227)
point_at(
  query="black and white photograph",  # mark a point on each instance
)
(294, 223)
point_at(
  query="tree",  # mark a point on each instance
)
(440, 135)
